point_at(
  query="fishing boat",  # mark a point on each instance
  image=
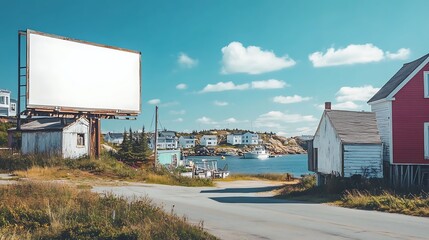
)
(258, 152)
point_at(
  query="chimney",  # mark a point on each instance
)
(327, 105)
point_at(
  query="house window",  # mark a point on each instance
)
(426, 83)
(426, 140)
(2, 100)
(80, 139)
(12, 107)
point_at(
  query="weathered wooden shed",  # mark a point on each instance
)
(346, 143)
(68, 138)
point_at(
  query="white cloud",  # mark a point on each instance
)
(178, 120)
(186, 61)
(181, 86)
(290, 99)
(268, 84)
(353, 54)
(178, 112)
(277, 119)
(349, 105)
(229, 86)
(224, 86)
(252, 59)
(231, 120)
(401, 54)
(206, 120)
(169, 104)
(305, 130)
(363, 93)
(154, 101)
(220, 103)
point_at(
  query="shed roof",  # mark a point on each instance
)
(354, 127)
(47, 124)
(398, 78)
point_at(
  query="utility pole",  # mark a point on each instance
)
(156, 138)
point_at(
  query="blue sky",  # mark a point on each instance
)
(257, 65)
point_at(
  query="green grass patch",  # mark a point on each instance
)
(55, 211)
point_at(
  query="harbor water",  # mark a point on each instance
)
(294, 164)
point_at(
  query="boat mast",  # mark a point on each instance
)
(156, 138)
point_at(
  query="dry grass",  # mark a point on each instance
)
(100, 171)
(58, 211)
(416, 205)
(267, 176)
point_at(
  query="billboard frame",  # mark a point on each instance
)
(94, 115)
(35, 109)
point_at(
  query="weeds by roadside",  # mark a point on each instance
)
(410, 204)
(107, 167)
(263, 176)
(58, 211)
(358, 193)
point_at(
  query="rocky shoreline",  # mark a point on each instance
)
(275, 145)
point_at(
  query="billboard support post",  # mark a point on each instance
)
(18, 109)
(95, 139)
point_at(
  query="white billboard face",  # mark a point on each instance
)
(69, 75)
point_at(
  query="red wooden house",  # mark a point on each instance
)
(402, 113)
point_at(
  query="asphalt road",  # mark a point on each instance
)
(244, 210)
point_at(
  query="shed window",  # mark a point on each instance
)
(80, 139)
(426, 83)
(426, 140)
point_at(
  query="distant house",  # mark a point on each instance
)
(187, 141)
(7, 105)
(250, 138)
(166, 140)
(402, 110)
(346, 143)
(114, 138)
(234, 139)
(68, 138)
(208, 140)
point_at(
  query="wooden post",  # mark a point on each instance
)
(95, 139)
(156, 139)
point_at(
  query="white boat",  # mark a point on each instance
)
(258, 152)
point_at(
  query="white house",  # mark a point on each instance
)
(208, 140)
(250, 138)
(234, 139)
(187, 141)
(68, 138)
(114, 138)
(7, 105)
(166, 140)
(346, 143)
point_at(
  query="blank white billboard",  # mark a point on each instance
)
(71, 75)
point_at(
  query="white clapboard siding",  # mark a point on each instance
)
(70, 134)
(328, 146)
(363, 159)
(383, 113)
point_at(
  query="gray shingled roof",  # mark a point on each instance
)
(398, 78)
(355, 127)
(46, 124)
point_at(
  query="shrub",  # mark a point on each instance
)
(52, 211)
